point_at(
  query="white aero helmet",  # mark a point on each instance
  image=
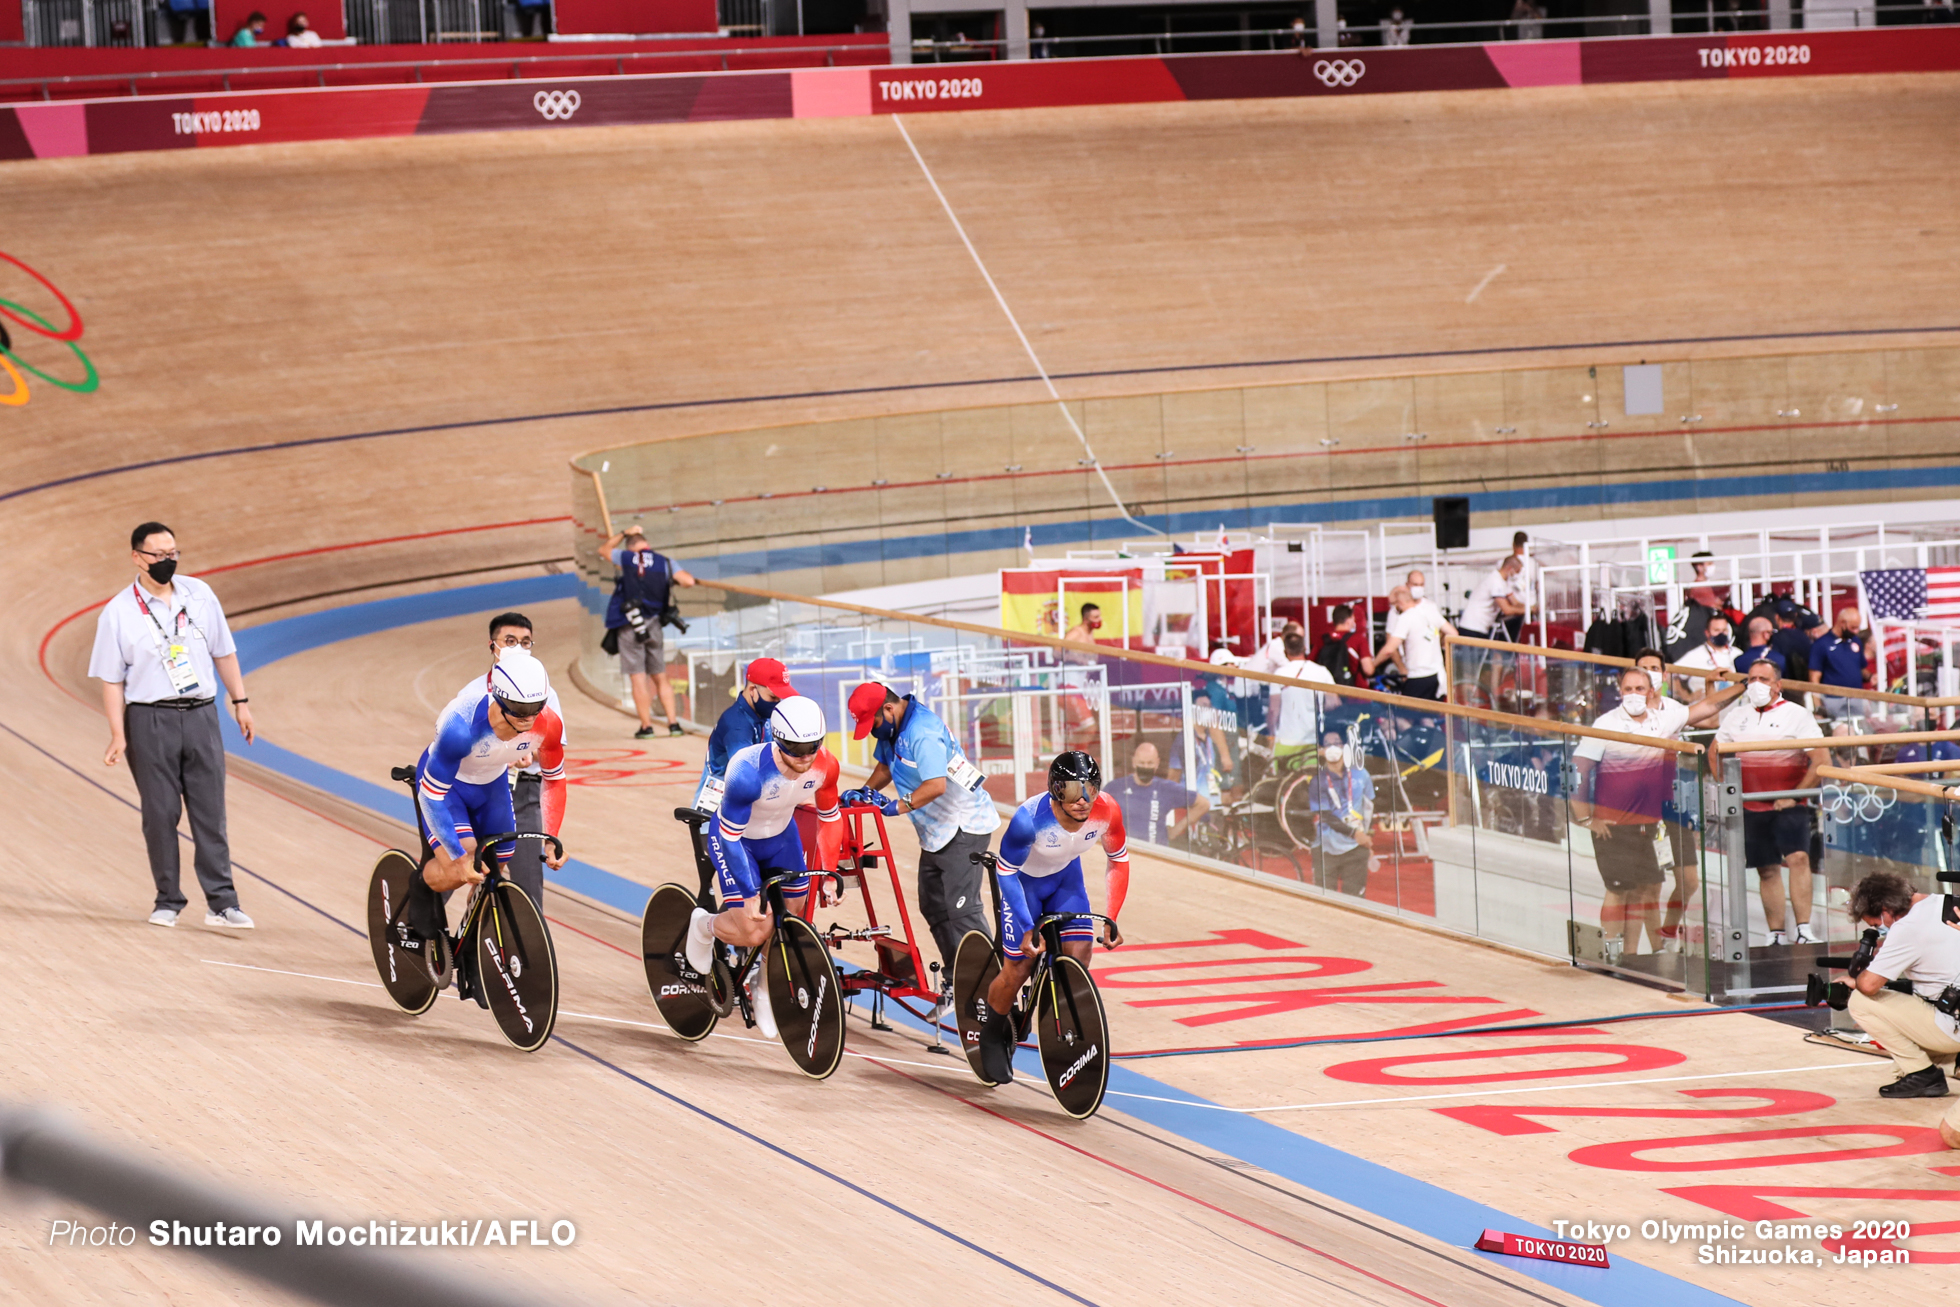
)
(798, 726)
(518, 682)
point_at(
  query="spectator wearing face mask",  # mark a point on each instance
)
(1494, 600)
(1415, 640)
(1758, 647)
(1148, 800)
(1715, 653)
(1342, 798)
(1775, 832)
(1620, 798)
(1838, 657)
(1680, 829)
(742, 723)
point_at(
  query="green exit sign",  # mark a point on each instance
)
(1660, 564)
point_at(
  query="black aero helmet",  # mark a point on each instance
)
(1073, 776)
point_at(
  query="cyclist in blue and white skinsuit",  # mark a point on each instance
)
(755, 831)
(1040, 873)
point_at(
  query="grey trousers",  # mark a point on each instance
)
(951, 887)
(178, 761)
(526, 870)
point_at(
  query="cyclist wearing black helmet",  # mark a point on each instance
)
(1040, 868)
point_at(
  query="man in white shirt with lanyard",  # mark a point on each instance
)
(161, 647)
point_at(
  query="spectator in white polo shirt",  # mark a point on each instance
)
(1716, 652)
(1622, 792)
(161, 647)
(1774, 831)
(1494, 600)
(1415, 642)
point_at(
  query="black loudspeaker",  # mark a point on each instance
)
(1452, 513)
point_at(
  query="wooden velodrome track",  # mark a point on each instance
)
(256, 300)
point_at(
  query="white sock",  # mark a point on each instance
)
(765, 1020)
(1805, 935)
(700, 944)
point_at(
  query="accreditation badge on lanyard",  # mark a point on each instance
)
(175, 650)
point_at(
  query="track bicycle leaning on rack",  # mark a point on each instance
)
(1059, 1005)
(500, 955)
(805, 994)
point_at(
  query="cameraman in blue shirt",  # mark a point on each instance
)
(634, 619)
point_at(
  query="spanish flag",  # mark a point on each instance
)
(1033, 601)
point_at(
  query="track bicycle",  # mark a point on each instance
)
(805, 994)
(500, 955)
(1060, 1005)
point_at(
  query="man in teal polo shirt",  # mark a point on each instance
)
(947, 799)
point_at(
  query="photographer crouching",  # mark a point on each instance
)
(1908, 938)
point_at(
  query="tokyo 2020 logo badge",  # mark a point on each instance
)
(17, 369)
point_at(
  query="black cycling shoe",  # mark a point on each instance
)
(1930, 1083)
(997, 1048)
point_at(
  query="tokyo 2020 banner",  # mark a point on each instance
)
(58, 129)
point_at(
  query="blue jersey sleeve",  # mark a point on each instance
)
(452, 745)
(732, 818)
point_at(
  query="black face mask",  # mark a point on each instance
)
(1145, 775)
(162, 570)
(1719, 641)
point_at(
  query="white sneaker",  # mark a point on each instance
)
(229, 917)
(765, 1020)
(1805, 935)
(700, 945)
(1613, 947)
(1777, 939)
(1670, 943)
(164, 917)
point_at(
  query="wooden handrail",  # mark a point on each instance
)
(1841, 742)
(1861, 776)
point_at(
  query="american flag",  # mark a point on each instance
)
(1913, 593)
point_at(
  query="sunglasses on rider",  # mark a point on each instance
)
(1073, 792)
(524, 711)
(799, 748)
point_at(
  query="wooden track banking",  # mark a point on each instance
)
(303, 293)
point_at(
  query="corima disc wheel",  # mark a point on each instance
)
(805, 998)
(975, 964)
(1073, 1038)
(399, 958)
(685, 1004)
(516, 968)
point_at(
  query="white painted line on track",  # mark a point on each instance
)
(1487, 1093)
(593, 1016)
(304, 975)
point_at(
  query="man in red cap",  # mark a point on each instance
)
(944, 795)
(744, 722)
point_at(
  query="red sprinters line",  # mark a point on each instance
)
(1138, 1175)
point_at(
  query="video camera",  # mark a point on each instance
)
(1818, 992)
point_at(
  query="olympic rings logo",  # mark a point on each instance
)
(1857, 802)
(12, 364)
(1340, 72)
(559, 105)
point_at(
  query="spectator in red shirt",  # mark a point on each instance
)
(1775, 831)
